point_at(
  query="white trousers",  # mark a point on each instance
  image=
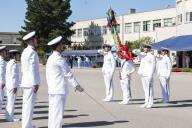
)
(1, 99)
(10, 104)
(29, 98)
(79, 64)
(108, 79)
(164, 83)
(148, 89)
(126, 89)
(56, 110)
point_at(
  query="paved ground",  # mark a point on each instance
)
(83, 112)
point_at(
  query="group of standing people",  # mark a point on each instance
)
(79, 61)
(181, 59)
(148, 65)
(9, 79)
(57, 74)
(83, 61)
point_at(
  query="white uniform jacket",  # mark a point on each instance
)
(2, 70)
(12, 74)
(164, 66)
(127, 68)
(57, 74)
(147, 65)
(78, 59)
(109, 63)
(87, 59)
(30, 68)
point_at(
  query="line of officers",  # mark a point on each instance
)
(148, 65)
(57, 75)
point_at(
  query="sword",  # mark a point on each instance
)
(99, 104)
(150, 86)
(130, 94)
(110, 85)
(168, 88)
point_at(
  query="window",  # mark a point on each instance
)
(104, 30)
(85, 32)
(75, 32)
(179, 19)
(168, 22)
(14, 40)
(91, 31)
(146, 26)
(128, 28)
(189, 16)
(137, 27)
(97, 30)
(79, 32)
(156, 24)
(118, 28)
(1, 41)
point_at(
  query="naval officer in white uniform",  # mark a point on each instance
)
(79, 61)
(12, 84)
(30, 78)
(146, 71)
(164, 68)
(108, 70)
(127, 68)
(2, 74)
(58, 74)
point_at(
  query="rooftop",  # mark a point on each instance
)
(168, 8)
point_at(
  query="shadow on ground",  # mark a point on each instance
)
(176, 104)
(91, 124)
(65, 116)
(3, 121)
(138, 101)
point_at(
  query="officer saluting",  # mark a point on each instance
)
(2, 74)
(164, 72)
(57, 74)
(108, 70)
(146, 70)
(30, 78)
(12, 83)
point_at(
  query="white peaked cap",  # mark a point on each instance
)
(2, 47)
(163, 48)
(147, 45)
(55, 41)
(13, 50)
(29, 35)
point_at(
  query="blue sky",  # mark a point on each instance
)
(12, 12)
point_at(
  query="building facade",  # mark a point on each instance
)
(10, 39)
(157, 24)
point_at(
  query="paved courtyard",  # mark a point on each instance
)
(81, 111)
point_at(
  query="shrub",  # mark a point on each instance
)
(187, 70)
(42, 57)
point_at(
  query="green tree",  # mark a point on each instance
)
(138, 43)
(49, 19)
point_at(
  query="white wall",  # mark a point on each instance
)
(158, 34)
(165, 33)
(184, 29)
